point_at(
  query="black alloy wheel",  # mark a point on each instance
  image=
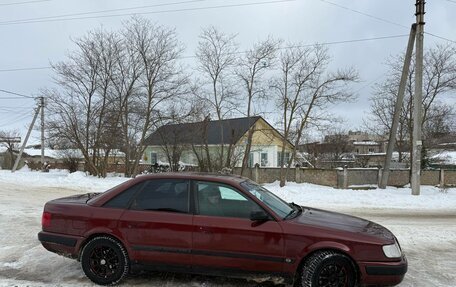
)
(332, 275)
(328, 269)
(105, 261)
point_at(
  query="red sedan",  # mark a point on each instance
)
(217, 225)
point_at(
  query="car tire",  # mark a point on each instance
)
(105, 261)
(328, 269)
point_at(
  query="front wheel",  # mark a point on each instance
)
(328, 269)
(104, 261)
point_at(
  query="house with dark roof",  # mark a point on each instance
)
(192, 141)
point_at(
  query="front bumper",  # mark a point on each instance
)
(383, 273)
(61, 244)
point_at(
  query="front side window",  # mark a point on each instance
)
(163, 195)
(279, 206)
(215, 199)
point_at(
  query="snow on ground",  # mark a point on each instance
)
(425, 226)
(432, 199)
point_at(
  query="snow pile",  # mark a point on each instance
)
(431, 198)
(78, 181)
(445, 157)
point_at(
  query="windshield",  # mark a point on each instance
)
(279, 206)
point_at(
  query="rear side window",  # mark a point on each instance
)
(123, 199)
(163, 195)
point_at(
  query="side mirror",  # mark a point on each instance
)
(259, 216)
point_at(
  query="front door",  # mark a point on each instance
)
(224, 237)
(158, 224)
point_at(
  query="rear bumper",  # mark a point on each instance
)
(65, 245)
(383, 273)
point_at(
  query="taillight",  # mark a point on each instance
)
(46, 219)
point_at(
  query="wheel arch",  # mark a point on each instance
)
(93, 235)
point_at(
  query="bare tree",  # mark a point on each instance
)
(176, 141)
(10, 140)
(304, 91)
(154, 80)
(337, 145)
(80, 108)
(251, 69)
(440, 123)
(111, 91)
(216, 54)
(439, 78)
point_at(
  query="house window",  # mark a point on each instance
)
(371, 150)
(153, 157)
(264, 159)
(250, 159)
(285, 159)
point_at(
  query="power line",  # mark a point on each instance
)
(348, 41)
(364, 14)
(13, 109)
(16, 94)
(24, 2)
(21, 107)
(25, 69)
(19, 117)
(153, 12)
(100, 11)
(440, 37)
(382, 19)
(10, 98)
(242, 52)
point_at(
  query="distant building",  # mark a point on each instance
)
(191, 139)
(353, 149)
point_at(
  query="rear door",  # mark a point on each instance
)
(158, 224)
(225, 238)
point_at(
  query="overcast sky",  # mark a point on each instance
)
(26, 46)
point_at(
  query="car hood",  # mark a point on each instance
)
(342, 222)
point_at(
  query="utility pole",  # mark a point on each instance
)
(42, 133)
(415, 179)
(26, 139)
(398, 108)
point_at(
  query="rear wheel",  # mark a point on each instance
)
(328, 269)
(104, 260)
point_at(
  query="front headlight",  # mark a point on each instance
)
(392, 251)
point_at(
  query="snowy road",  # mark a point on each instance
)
(429, 240)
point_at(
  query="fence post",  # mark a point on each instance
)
(345, 185)
(379, 176)
(298, 175)
(442, 178)
(256, 174)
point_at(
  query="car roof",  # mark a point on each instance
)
(229, 179)
(196, 175)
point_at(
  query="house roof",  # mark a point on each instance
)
(216, 132)
(367, 143)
